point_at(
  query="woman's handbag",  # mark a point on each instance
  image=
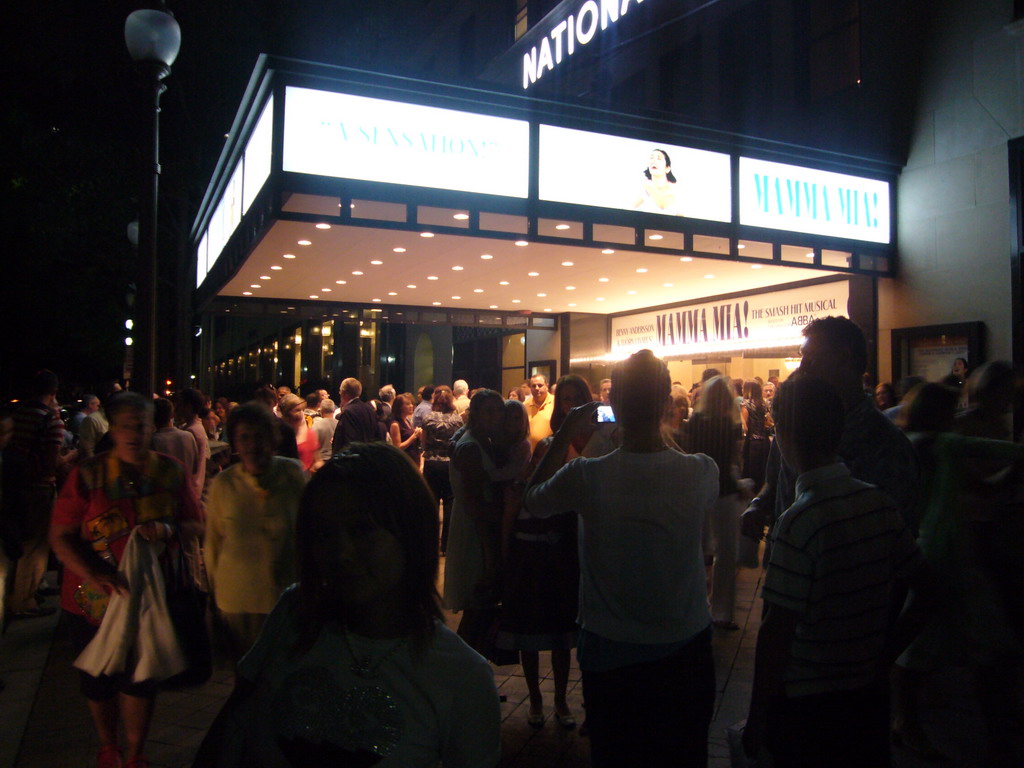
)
(187, 605)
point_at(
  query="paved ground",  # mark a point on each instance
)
(44, 723)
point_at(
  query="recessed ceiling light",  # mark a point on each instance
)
(570, 287)
(375, 300)
(567, 264)
(287, 255)
(547, 309)
(350, 205)
(398, 250)
(631, 293)
(325, 290)
(264, 277)
(542, 295)
(741, 246)
(686, 258)
(426, 234)
(456, 268)
(561, 226)
(641, 270)
(516, 301)
(756, 266)
(436, 303)
(571, 304)
(608, 251)
(666, 285)
(494, 306)
(305, 242)
(432, 277)
(255, 285)
(478, 290)
(503, 282)
(460, 216)
(656, 237)
(392, 293)
(275, 266)
(521, 243)
(410, 286)
(533, 274)
(323, 226)
(809, 254)
(247, 293)
(486, 256)
(456, 297)
(313, 296)
(356, 272)
(600, 298)
(709, 277)
(602, 279)
(341, 282)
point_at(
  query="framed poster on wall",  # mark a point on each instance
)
(931, 350)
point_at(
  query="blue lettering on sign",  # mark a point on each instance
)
(433, 143)
(803, 200)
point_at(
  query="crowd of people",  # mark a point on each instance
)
(317, 529)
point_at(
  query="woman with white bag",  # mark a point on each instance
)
(106, 499)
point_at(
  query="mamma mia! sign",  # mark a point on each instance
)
(355, 137)
(797, 199)
(761, 320)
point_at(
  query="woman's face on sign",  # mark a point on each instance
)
(657, 164)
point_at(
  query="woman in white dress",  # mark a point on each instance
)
(659, 192)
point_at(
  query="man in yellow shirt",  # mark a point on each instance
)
(539, 407)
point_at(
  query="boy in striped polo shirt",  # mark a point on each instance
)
(842, 557)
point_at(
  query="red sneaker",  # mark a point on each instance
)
(109, 756)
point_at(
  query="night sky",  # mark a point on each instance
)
(74, 122)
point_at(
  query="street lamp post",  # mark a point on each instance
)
(153, 38)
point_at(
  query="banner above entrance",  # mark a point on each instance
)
(758, 321)
(355, 137)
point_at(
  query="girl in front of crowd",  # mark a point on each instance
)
(645, 641)
(715, 430)
(355, 666)
(541, 598)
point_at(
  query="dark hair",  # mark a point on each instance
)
(991, 385)
(810, 412)
(44, 382)
(929, 407)
(443, 401)
(571, 380)
(192, 398)
(842, 333)
(398, 403)
(709, 373)
(384, 485)
(668, 164)
(428, 392)
(313, 400)
(640, 389)
(254, 414)
(163, 411)
(477, 401)
(128, 401)
(265, 395)
(752, 391)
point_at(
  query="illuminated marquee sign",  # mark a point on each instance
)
(355, 137)
(574, 31)
(634, 175)
(797, 199)
(763, 320)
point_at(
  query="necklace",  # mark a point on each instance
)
(364, 666)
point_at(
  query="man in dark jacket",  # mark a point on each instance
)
(358, 420)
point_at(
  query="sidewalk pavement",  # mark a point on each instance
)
(44, 722)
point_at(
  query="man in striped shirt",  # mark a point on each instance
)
(842, 556)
